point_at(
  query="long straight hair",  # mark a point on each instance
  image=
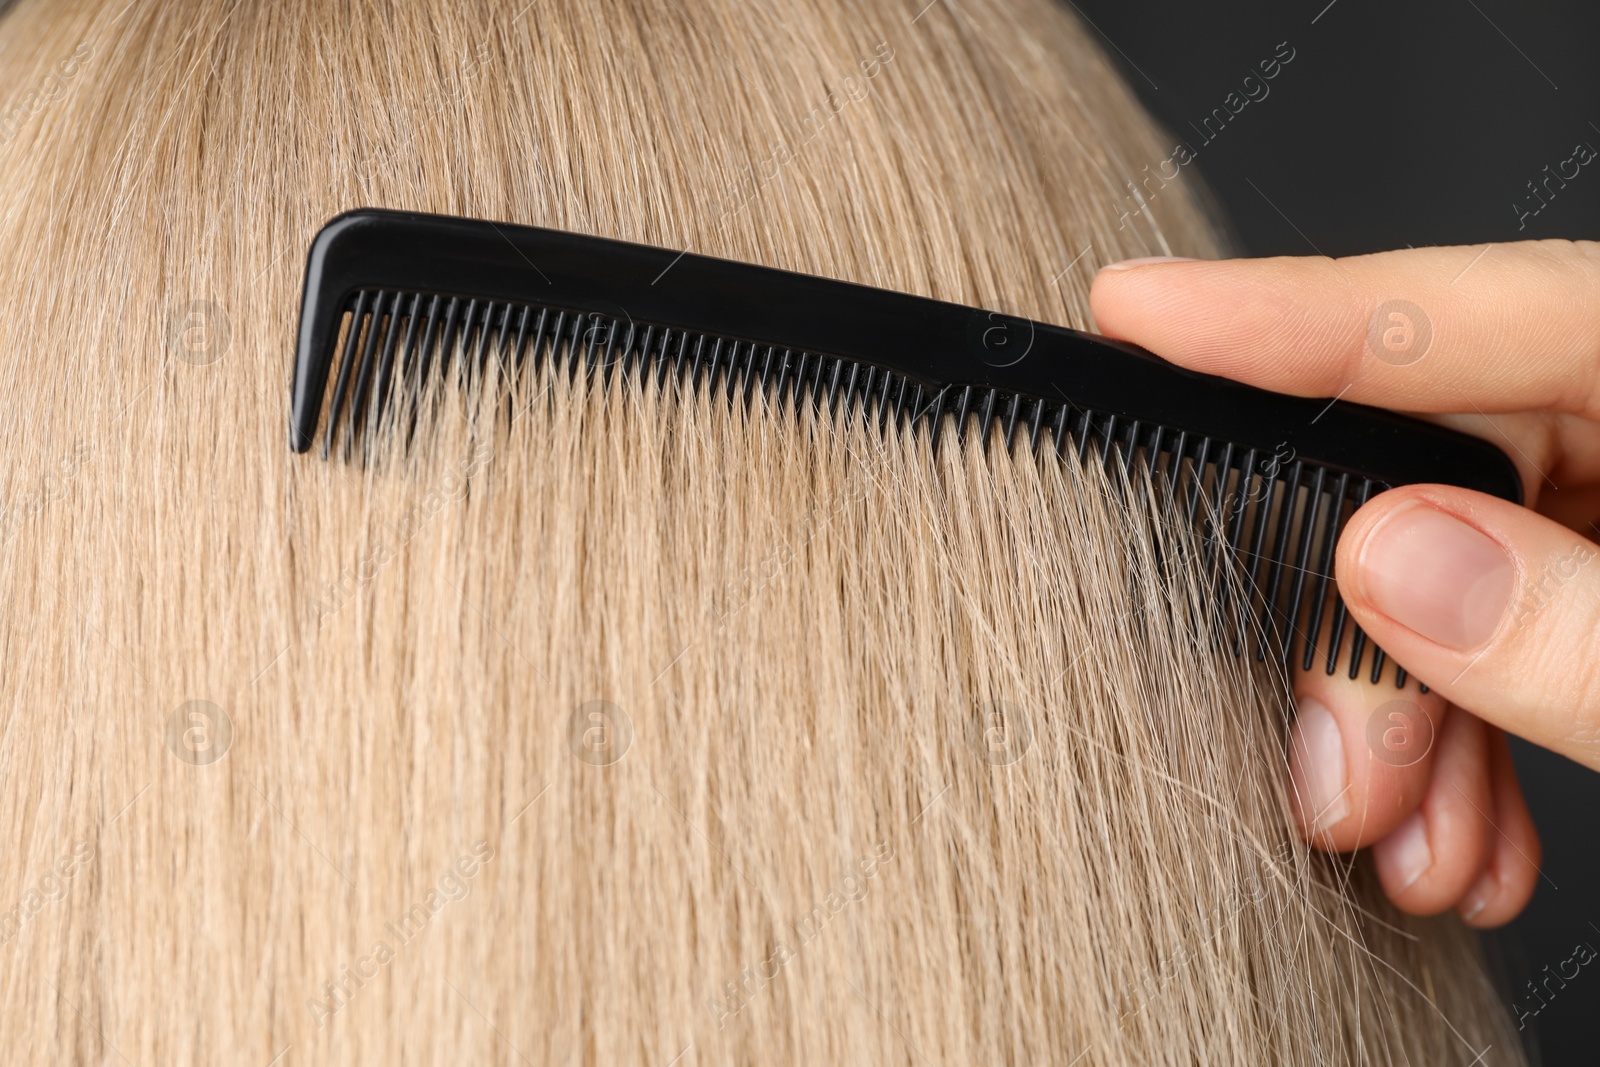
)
(608, 722)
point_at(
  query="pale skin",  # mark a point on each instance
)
(1513, 356)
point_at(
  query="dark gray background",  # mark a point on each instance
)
(1406, 123)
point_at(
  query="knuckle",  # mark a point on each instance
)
(1578, 263)
(1570, 639)
(1587, 251)
(1580, 258)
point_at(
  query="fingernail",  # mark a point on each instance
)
(1479, 898)
(1408, 852)
(1436, 575)
(1145, 261)
(1319, 777)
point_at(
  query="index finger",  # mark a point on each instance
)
(1492, 328)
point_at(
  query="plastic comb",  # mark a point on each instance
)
(392, 292)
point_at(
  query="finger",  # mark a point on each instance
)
(1360, 757)
(1490, 604)
(1506, 886)
(1438, 851)
(1493, 328)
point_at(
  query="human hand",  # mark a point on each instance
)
(1496, 607)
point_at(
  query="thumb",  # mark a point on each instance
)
(1494, 606)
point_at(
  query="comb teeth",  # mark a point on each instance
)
(1278, 522)
(392, 336)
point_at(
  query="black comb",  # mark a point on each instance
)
(1274, 477)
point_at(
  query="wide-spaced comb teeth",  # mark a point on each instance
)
(393, 300)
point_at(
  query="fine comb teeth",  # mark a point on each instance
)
(1274, 476)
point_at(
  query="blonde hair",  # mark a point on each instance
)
(614, 724)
